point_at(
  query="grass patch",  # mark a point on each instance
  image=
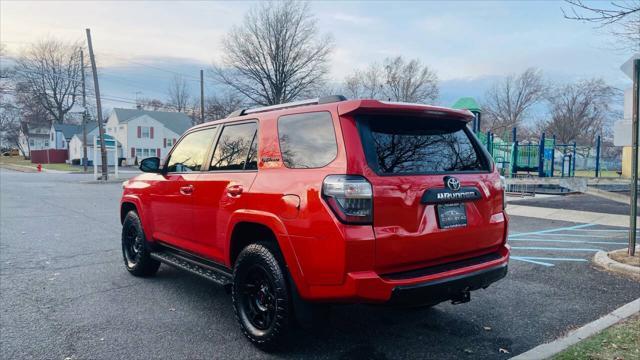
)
(20, 161)
(622, 256)
(592, 173)
(621, 341)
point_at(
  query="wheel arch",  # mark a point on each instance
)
(248, 226)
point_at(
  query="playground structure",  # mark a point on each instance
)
(549, 158)
(544, 157)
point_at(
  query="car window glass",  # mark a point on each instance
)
(236, 148)
(404, 145)
(307, 140)
(189, 154)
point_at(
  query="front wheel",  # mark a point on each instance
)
(136, 256)
(261, 295)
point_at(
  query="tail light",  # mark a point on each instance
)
(350, 197)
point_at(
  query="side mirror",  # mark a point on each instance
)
(150, 165)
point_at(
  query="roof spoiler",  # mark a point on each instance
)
(378, 107)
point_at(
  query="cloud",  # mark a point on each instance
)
(353, 19)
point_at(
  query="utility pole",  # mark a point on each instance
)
(634, 158)
(201, 96)
(84, 116)
(103, 149)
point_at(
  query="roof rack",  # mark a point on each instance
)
(316, 101)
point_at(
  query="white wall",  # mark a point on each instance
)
(127, 136)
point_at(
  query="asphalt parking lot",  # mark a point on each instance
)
(64, 292)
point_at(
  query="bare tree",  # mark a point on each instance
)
(179, 94)
(367, 84)
(509, 101)
(221, 105)
(622, 18)
(409, 81)
(51, 70)
(150, 104)
(580, 111)
(276, 55)
(396, 80)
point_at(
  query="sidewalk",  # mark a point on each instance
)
(587, 217)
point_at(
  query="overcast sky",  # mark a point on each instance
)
(468, 44)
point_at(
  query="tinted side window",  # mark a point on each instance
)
(236, 149)
(307, 140)
(189, 154)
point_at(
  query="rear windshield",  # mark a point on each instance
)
(412, 145)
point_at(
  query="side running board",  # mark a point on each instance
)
(193, 264)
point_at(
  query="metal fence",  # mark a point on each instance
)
(548, 158)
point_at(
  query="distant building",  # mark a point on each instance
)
(61, 134)
(76, 149)
(144, 133)
(33, 138)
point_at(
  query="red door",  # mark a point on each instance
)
(224, 189)
(171, 198)
(171, 201)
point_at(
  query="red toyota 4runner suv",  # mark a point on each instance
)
(322, 201)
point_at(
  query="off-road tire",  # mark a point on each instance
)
(254, 262)
(135, 250)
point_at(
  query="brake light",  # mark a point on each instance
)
(350, 197)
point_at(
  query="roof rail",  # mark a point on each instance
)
(316, 101)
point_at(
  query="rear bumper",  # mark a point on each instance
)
(427, 288)
(435, 292)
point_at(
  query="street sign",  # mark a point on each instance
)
(627, 67)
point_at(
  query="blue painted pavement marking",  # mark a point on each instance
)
(618, 236)
(553, 230)
(552, 259)
(552, 248)
(596, 230)
(530, 261)
(571, 241)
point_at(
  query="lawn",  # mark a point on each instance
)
(20, 161)
(621, 341)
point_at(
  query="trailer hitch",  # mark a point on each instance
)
(461, 298)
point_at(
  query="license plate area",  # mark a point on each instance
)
(451, 215)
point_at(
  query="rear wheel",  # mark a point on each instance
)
(261, 295)
(136, 255)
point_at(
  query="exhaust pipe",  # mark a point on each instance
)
(461, 298)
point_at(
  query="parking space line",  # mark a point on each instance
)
(553, 230)
(571, 241)
(620, 236)
(530, 261)
(552, 248)
(596, 230)
(551, 258)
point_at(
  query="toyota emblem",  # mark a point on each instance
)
(452, 183)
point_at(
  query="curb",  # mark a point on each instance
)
(547, 350)
(621, 198)
(19, 168)
(603, 260)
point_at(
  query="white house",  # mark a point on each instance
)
(144, 133)
(34, 138)
(76, 152)
(61, 134)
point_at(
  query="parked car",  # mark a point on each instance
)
(319, 202)
(10, 152)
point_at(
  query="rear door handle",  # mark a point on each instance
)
(235, 190)
(186, 190)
